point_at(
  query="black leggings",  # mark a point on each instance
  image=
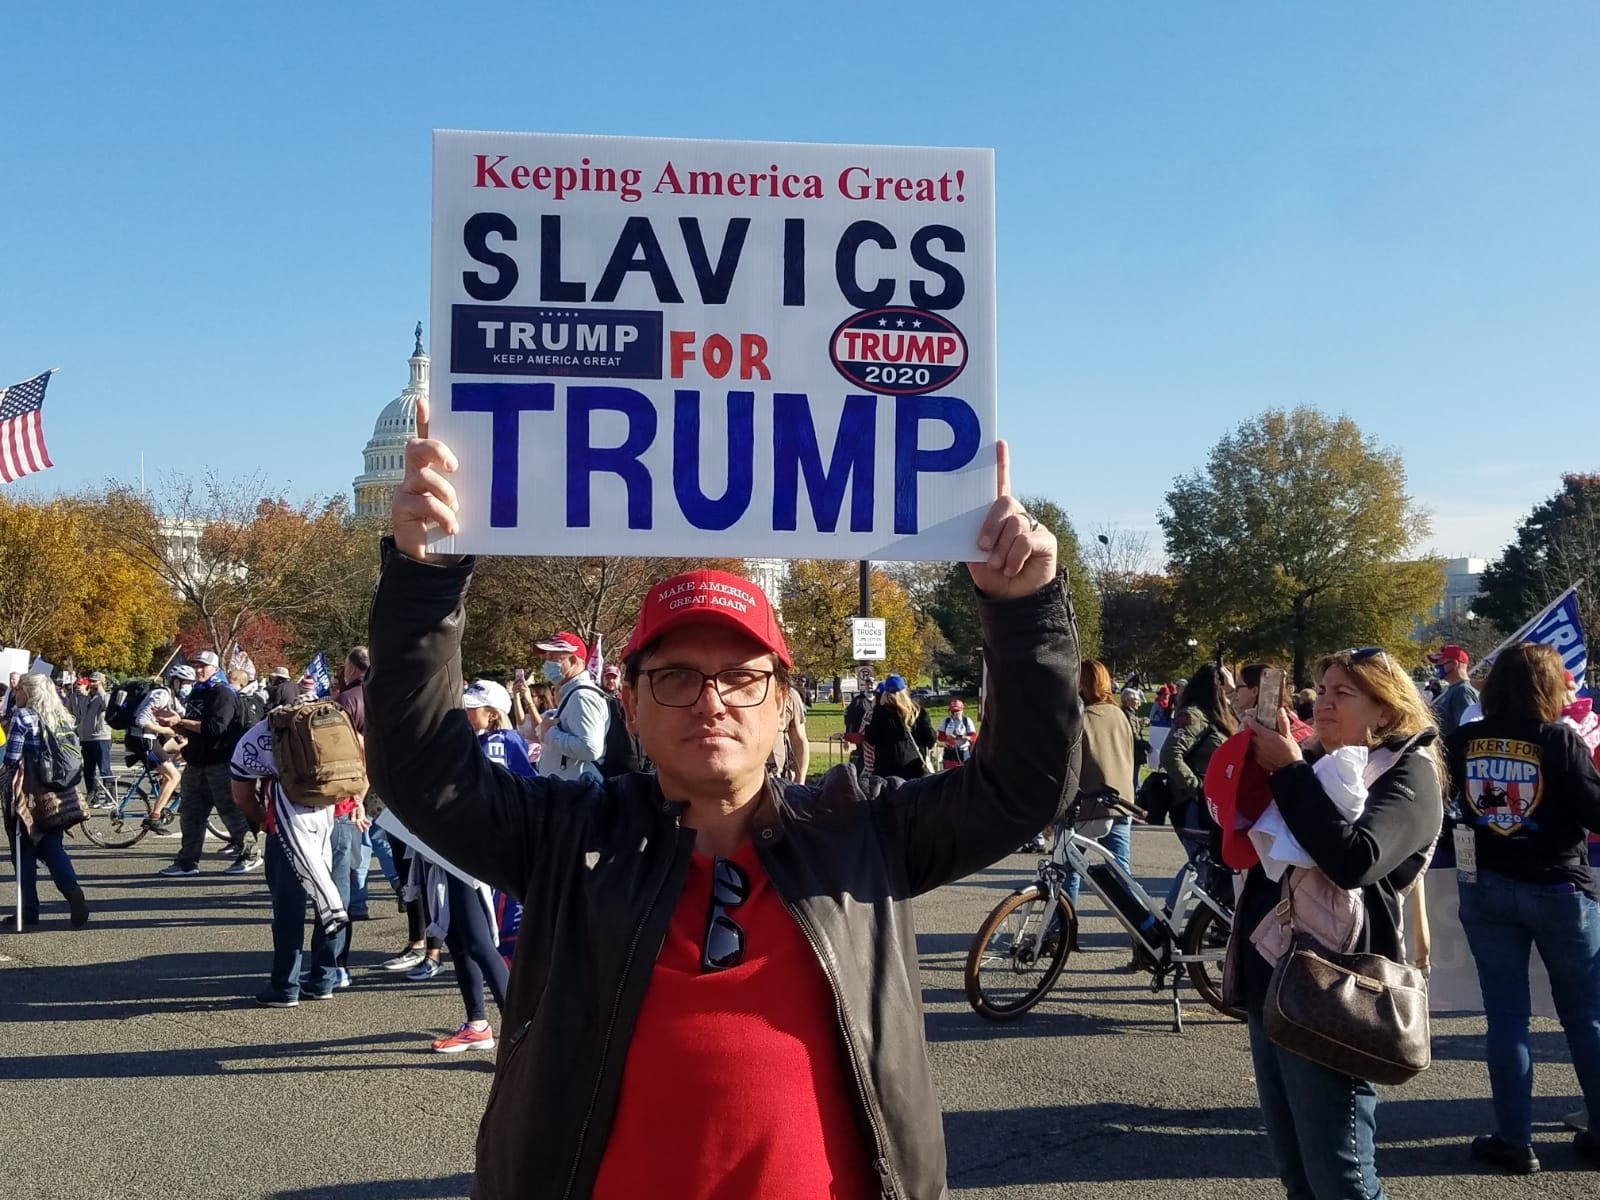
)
(472, 950)
(416, 918)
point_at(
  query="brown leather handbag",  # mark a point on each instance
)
(1361, 1014)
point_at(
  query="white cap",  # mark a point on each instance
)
(486, 693)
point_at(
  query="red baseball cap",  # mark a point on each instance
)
(564, 643)
(708, 597)
(1450, 654)
(1237, 791)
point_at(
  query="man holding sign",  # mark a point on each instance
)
(715, 986)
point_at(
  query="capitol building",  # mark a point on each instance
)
(384, 459)
(384, 465)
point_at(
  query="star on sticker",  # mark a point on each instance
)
(916, 324)
(882, 321)
(900, 324)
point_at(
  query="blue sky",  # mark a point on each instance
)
(215, 217)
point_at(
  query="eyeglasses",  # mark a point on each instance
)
(724, 940)
(681, 687)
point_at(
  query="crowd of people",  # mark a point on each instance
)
(641, 840)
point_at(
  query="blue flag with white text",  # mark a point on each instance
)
(318, 670)
(1560, 627)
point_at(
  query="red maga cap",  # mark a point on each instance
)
(707, 597)
(564, 643)
(1450, 654)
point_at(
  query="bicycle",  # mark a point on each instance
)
(1025, 941)
(120, 824)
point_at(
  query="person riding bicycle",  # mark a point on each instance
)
(162, 743)
(720, 967)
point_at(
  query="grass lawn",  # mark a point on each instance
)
(824, 720)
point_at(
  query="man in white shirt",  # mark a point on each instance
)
(574, 738)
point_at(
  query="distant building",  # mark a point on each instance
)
(384, 458)
(768, 574)
(1461, 579)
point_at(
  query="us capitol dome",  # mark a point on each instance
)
(385, 455)
(385, 462)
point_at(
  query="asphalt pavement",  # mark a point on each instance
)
(134, 1065)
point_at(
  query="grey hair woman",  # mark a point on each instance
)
(40, 736)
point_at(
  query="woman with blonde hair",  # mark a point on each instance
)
(1107, 764)
(41, 793)
(899, 733)
(1529, 791)
(1321, 1124)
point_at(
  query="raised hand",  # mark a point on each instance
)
(1022, 552)
(425, 499)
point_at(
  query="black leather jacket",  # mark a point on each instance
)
(599, 866)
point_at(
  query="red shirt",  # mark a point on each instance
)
(736, 1084)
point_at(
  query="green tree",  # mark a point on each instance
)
(1557, 545)
(953, 604)
(1295, 537)
(819, 598)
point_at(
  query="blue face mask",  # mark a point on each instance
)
(552, 672)
(1438, 671)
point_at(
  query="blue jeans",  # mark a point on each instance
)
(1321, 1125)
(53, 854)
(378, 845)
(289, 930)
(345, 837)
(1503, 919)
(96, 766)
(1118, 840)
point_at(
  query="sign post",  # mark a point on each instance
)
(869, 639)
(734, 349)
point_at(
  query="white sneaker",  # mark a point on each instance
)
(404, 961)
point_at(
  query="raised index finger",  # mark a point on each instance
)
(1002, 469)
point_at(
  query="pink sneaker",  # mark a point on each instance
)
(465, 1038)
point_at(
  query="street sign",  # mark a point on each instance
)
(869, 638)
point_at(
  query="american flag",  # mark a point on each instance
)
(22, 450)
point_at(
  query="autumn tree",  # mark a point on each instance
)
(819, 598)
(231, 554)
(1557, 545)
(515, 601)
(71, 595)
(1295, 537)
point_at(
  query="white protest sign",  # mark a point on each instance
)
(13, 662)
(744, 349)
(869, 638)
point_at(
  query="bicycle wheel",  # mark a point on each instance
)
(121, 825)
(1018, 954)
(1206, 937)
(216, 828)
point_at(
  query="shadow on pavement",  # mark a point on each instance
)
(383, 1189)
(258, 1059)
(1077, 1143)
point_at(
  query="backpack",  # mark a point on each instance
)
(60, 765)
(252, 709)
(125, 702)
(317, 754)
(622, 752)
(1155, 798)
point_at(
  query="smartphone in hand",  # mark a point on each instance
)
(1269, 697)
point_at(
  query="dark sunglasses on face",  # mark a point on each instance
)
(724, 940)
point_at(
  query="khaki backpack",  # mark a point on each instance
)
(317, 753)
